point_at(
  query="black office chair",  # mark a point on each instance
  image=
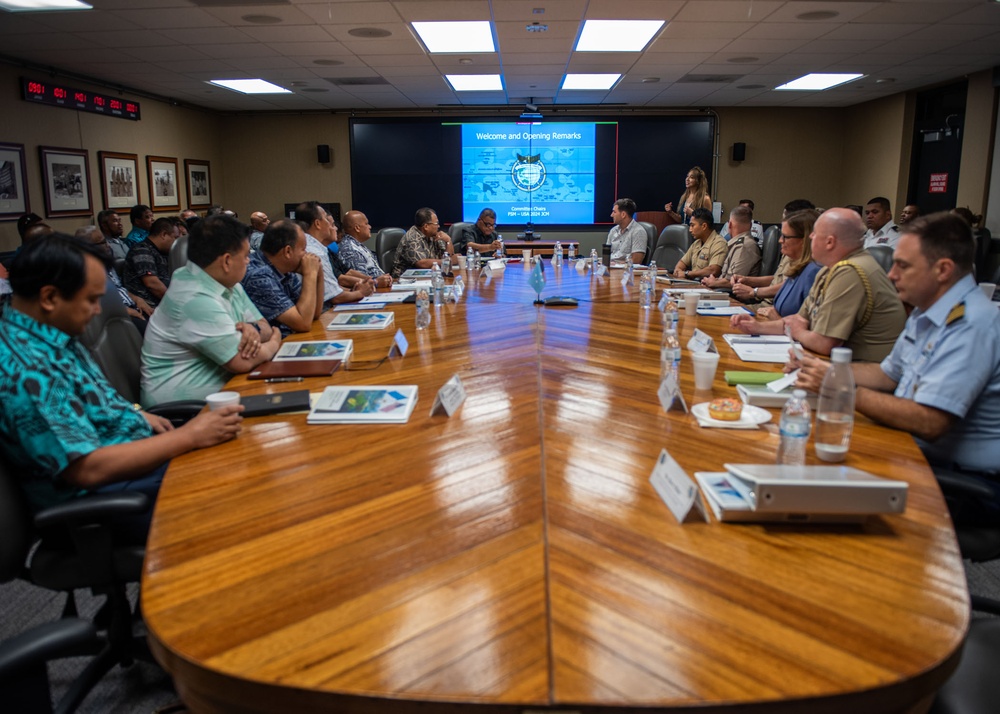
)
(978, 536)
(676, 234)
(771, 250)
(386, 242)
(650, 239)
(74, 547)
(455, 230)
(667, 256)
(984, 243)
(974, 687)
(882, 255)
(178, 254)
(116, 345)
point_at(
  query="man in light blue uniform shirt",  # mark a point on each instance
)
(941, 382)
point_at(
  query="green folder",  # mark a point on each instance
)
(751, 377)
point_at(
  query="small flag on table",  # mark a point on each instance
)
(537, 281)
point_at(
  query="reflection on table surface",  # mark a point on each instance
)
(516, 554)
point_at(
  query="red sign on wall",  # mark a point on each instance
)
(939, 183)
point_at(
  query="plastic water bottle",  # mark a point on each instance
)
(499, 253)
(470, 256)
(594, 259)
(835, 411)
(630, 270)
(557, 255)
(423, 309)
(645, 292)
(670, 313)
(652, 271)
(670, 352)
(446, 265)
(795, 426)
(571, 252)
(437, 284)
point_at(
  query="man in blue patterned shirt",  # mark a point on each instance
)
(283, 280)
(354, 254)
(62, 425)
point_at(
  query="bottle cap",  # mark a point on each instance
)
(799, 394)
(841, 355)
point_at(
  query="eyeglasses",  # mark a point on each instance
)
(787, 237)
(435, 223)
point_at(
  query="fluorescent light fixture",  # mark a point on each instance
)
(617, 35)
(453, 37)
(250, 86)
(817, 81)
(39, 5)
(475, 82)
(590, 81)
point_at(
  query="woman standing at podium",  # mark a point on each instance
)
(695, 196)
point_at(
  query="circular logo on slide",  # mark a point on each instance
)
(528, 172)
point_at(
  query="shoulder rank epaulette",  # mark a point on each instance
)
(957, 313)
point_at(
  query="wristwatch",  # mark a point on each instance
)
(755, 293)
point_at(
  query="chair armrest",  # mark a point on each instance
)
(178, 413)
(957, 484)
(97, 507)
(53, 640)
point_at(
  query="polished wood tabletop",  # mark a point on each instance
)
(515, 556)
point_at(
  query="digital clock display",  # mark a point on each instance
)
(59, 95)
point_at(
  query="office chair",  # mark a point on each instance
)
(676, 234)
(386, 242)
(178, 254)
(455, 230)
(770, 250)
(882, 255)
(650, 239)
(666, 256)
(974, 687)
(75, 549)
(116, 346)
(978, 537)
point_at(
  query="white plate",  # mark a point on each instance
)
(751, 416)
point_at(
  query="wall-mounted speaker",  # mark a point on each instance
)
(739, 151)
(323, 153)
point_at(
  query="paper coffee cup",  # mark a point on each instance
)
(691, 303)
(526, 254)
(218, 400)
(705, 365)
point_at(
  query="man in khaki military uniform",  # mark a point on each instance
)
(743, 257)
(851, 304)
(708, 251)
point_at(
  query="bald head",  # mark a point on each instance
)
(837, 233)
(356, 225)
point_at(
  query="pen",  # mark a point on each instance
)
(274, 380)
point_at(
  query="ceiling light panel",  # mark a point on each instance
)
(819, 81)
(590, 81)
(475, 82)
(472, 36)
(617, 35)
(43, 5)
(250, 86)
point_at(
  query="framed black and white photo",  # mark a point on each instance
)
(199, 183)
(119, 180)
(66, 175)
(13, 189)
(164, 194)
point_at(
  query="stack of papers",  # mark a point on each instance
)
(361, 321)
(726, 311)
(364, 405)
(760, 348)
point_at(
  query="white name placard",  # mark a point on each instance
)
(701, 341)
(670, 393)
(450, 397)
(677, 489)
(399, 344)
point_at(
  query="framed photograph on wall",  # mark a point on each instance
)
(119, 180)
(66, 175)
(13, 188)
(164, 194)
(199, 182)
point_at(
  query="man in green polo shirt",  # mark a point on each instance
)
(206, 328)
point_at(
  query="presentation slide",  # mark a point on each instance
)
(539, 173)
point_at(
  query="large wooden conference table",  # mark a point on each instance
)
(515, 557)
